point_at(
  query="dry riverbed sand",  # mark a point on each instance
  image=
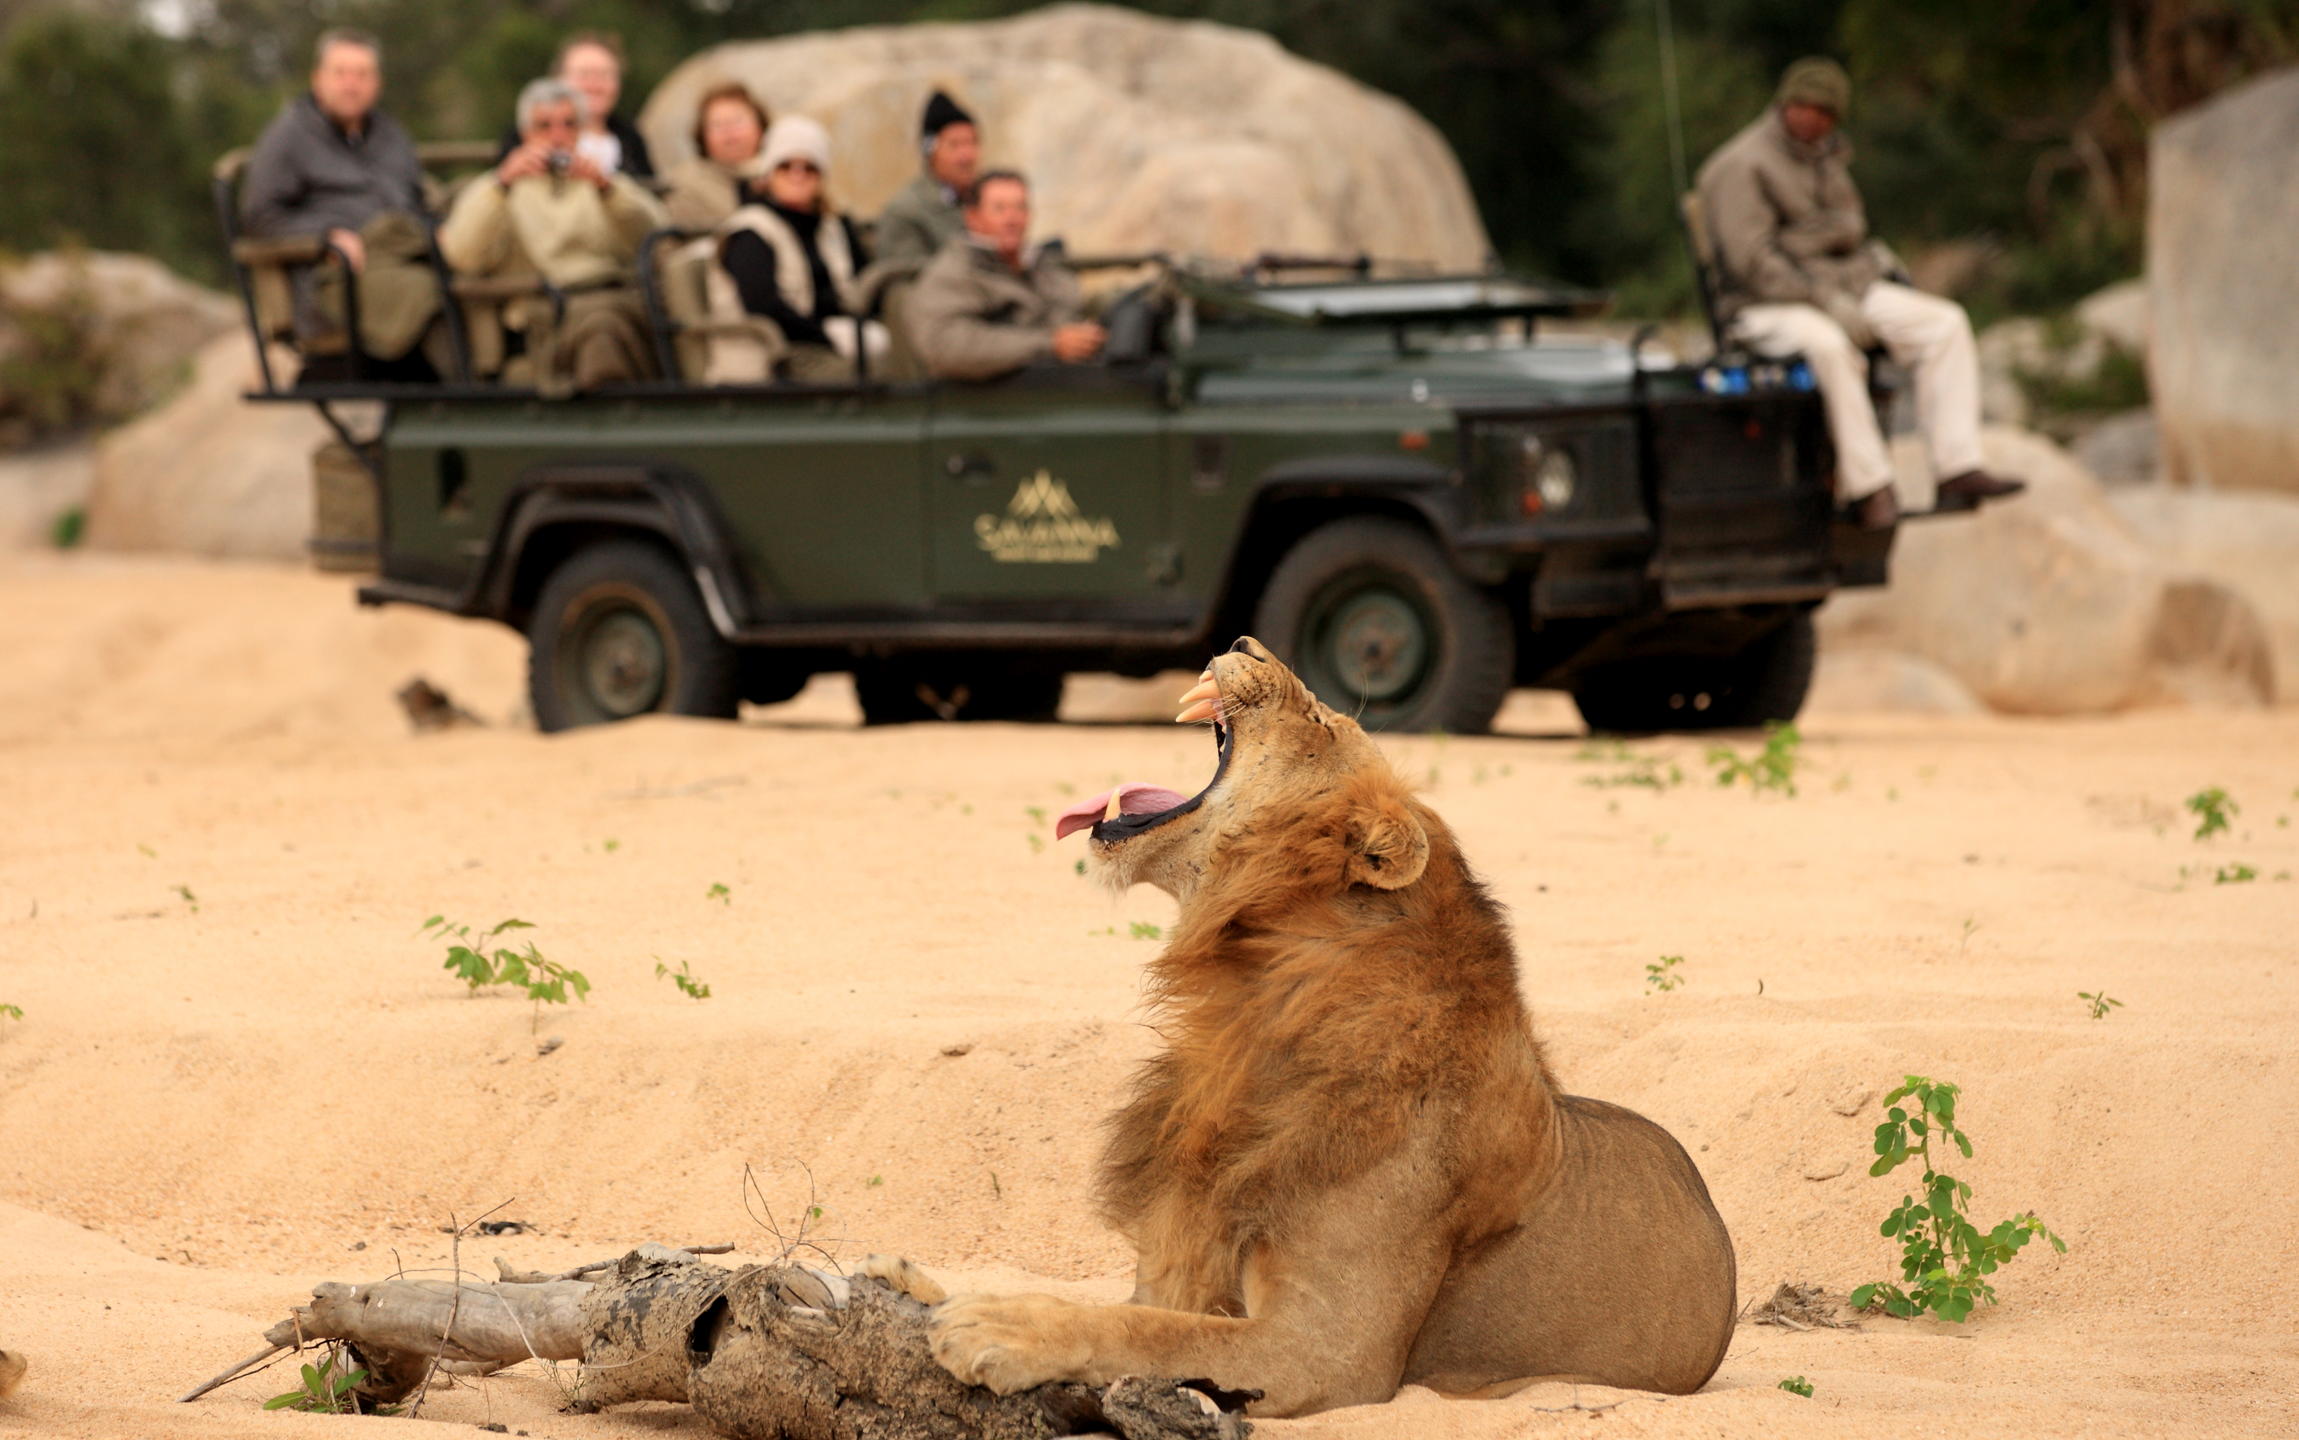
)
(241, 1071)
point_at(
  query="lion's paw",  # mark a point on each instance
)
(902, 1277)
(1010, 1342)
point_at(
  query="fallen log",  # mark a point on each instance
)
(762, 1352)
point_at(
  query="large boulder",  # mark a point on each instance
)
(2050, 604)
(1138, 133)
(207, 473)
(2247, 542)
(2223, 278)
(118, 331)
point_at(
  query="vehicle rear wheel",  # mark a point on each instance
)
(901, 692)
(1766, 681)
(1375, 620)
(618, 631)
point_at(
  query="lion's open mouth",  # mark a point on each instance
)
(1134, 807)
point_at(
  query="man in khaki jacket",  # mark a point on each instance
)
(1799, 276)
(985, 307)
(549, 211)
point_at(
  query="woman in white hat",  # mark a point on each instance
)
(792, 258)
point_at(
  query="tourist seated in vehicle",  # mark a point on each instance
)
(1800, 276)
(590, 62)
(924, 215)
(988, 305)
(788, 255)
(551, 216)
(729, 140)
(333, 164)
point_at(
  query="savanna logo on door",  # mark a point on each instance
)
(1043, 526)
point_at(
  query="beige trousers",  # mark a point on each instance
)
(1929, 335)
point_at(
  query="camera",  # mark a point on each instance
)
(559, 161)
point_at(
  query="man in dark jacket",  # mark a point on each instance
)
(333, 164)
(1799, 275)
(924, 216)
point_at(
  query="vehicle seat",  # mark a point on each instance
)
(702, 337)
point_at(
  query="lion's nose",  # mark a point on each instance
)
(1249, 647)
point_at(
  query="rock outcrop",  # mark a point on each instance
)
(1138, 133)
(2050, 604)
(127, 325)
(207, 473)
(2247, 542)
(2223, 280)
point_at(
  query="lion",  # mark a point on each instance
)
(1350, 1169)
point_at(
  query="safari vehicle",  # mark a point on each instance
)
(1392, 481)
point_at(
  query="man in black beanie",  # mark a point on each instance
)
(924, 216)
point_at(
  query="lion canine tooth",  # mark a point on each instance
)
(1204, 709)
(1116, 806)
(1203, 690)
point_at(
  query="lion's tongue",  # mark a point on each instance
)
(1133, 797)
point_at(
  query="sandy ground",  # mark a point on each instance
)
(240, 1070)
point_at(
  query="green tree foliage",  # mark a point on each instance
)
(2021, 124)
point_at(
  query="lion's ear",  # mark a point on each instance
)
(1388, 849)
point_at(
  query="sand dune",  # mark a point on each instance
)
(241, 1070)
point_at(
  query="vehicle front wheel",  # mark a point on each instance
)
(618, 631)
(1375, 620)
(1766, 681)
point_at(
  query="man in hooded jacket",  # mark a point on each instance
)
(925, 215)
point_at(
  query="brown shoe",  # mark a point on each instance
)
(1880, 511)
(1966, 491)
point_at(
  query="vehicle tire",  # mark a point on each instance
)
(1372, 616)
(1766, 681)
(619, 631)
(896, 692)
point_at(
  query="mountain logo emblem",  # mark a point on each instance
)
(1044, 526)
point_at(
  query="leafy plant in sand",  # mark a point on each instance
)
(1944, 1258)
(2100, 1001)
(1797, 1385)
(684, 978)
(1772, 768)
(326, 1389)
(545, 981)
(2212, 809)
(11, 1012)
(1661, 974)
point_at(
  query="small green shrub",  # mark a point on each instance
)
(328, 1389)
(1944, 1259)
(1661, 974)
(1797, 1385)
(1144, 930)
(2212, 809)
(683, 978)
(1772, 768)
(2236, 874)
(719, 893)
(11, 1012)
(544, 981)
(2100, 1002)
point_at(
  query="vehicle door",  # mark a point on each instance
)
(1049, 488)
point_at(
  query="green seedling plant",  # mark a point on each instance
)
(719, 893)
(2212, 810)
(2236, 874)
(1144, 930)
(11, 1012)
(1661, 974)
(1944, 1258)
(189, 898)
(1772, 768)
(2100, 1002)
(684, 979)
(327, 1389)
(545, 981)
(1797, 1385)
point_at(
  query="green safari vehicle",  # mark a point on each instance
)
(1392, 482)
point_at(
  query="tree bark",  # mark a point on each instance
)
(763, 1352)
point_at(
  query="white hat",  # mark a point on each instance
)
(795, 137)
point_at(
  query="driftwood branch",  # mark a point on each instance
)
(762, 1352)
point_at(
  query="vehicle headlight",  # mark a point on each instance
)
(1552, 472)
